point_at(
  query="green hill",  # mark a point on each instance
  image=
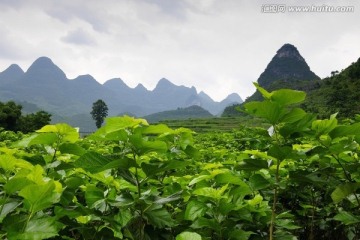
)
(339, 93)
(180, 113)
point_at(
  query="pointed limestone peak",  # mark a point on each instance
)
(289, 51)
(233, 98)
(12, 72)
(44, 69)
(164, 83)
(140, 87)
(203, 94)
(86, 79)
(115, 84)
(286, 66)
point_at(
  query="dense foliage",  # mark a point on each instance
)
(12, 119)
(129, 180)
(339, 93)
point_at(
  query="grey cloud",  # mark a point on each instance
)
(11, 3)
(176, 9)
(78, 37)
(66, 12)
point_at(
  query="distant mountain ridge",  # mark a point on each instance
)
(46, 85)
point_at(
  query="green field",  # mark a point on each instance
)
(216, 124)
(135, 181)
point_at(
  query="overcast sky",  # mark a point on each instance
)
(218, 46)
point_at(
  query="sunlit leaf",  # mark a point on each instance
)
(347, 218)
(188, 236)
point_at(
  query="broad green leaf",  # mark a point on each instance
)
(238, 193)
(38, 138)
(63, 130)
(16, 184)
(188, 236)
(123, 217)
(143, 146)
(93, 194)
(194, 210)
(211, 192)
(170, 198)
(72, 148)
(113, 124)
(324, 126)
(160, 218)
(37, 228)
(8, 208)
(294, 115)
(287, 224)
(39, 197)
(286, 97)
(74, 182)
(202, 222)
(280, 152)
(344, 191)
(347, 218)
(271, 111)
(349, 130)
(302, 125)
(94, 162)
(199, 179)
(36, 175)
(239, 234)
(7, 162)
(258, 182)
(157, 129)
(103, 135)
(229, 178)
(256, 200)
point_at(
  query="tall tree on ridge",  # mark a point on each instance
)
(99, 112)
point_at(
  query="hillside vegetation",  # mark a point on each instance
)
(339, 93)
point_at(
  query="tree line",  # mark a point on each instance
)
(12, 118)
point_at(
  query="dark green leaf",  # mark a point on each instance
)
(94, 162)
(93, 194)
(194, 210)
(258, 182)
(160, 218)
(341, 131)
(72, 148)
(252, 164)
